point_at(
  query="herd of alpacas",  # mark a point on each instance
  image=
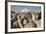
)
(25, 19)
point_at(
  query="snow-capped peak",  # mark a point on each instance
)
(24, 10)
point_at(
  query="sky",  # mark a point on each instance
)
(17, 8)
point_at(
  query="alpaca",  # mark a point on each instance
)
(35, 18)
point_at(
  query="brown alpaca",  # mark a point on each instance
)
(35, 17)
